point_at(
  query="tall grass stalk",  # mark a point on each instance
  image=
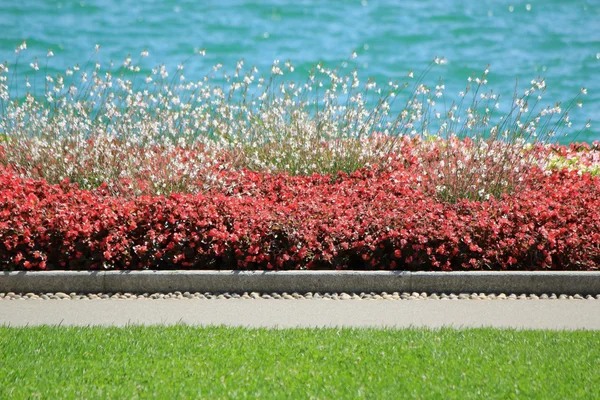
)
(163, 133)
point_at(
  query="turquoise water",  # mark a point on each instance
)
(555, 39)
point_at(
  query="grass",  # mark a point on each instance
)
(218, 362)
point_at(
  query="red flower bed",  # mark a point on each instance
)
(364, 220)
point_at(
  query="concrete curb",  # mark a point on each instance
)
(517, 282)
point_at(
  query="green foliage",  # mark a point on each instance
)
(572, 163)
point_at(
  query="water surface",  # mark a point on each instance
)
(555, 39)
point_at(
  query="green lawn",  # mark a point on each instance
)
(186, 362)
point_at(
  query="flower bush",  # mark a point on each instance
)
(368, 219)
(257, 173)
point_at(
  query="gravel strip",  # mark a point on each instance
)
(293, 296)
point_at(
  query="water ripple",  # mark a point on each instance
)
(558, 39)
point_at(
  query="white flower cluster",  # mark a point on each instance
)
(94, 126)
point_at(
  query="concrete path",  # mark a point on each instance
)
(520, 314)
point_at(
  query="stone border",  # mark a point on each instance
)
(519, 282)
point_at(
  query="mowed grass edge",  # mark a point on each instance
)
(219, 362)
